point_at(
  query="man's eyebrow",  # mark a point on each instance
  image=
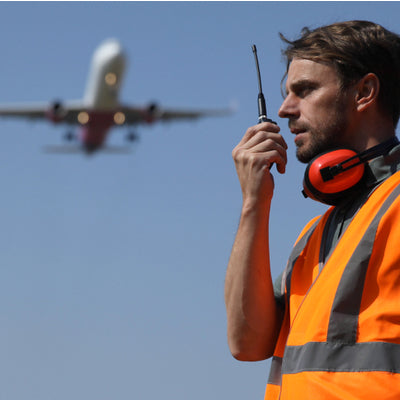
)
(300, 84)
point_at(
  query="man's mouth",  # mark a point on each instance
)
(299, 138)
(297, 131)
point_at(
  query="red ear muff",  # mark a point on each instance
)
(331, 175)
(335, 174)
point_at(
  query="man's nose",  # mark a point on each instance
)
(289, 108)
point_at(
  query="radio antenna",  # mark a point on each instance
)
(257, 67)
(262, 108)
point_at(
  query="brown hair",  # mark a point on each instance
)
(354, 48)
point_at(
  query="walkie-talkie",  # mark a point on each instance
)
(262, 108)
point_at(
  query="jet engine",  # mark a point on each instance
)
(56, 111)
(152, 111)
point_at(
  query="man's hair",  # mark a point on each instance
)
(354, 49)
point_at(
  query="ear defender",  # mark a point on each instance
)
(326, 181)
(332, 176)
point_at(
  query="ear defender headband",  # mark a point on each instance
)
(335, 174)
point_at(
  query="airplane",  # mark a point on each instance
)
(100, 108)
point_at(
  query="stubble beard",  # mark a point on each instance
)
(319, 142)
(327, 137)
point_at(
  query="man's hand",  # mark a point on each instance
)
(260, 147)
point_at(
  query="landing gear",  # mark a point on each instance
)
(132, 137)
(70, 136)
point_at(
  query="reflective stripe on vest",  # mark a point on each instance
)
(340, 352)
(346, 307)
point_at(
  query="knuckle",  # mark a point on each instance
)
(252, 158)
(240, 155)
(237, 153)
(252, 129)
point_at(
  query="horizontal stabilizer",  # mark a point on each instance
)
(79, 150)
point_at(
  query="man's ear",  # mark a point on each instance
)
(367, 91)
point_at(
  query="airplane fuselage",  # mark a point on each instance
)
(101, 97)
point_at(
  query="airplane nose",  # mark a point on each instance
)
(111, 47)
(110, 51)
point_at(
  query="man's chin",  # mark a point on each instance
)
(304, 156)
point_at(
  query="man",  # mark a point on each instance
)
(332, 324)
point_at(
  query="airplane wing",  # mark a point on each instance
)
(153, 113)
(34, 111)
(56, 111)
(68, 112)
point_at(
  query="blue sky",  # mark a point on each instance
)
(112, 267)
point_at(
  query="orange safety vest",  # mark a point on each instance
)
(340, 336)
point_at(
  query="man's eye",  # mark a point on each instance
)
(303, 92)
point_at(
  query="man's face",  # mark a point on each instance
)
(318, 111)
